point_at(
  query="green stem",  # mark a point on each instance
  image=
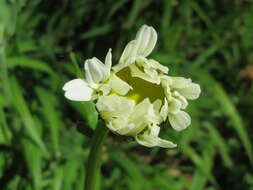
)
(93, 164)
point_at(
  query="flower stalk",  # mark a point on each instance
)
(93, 164)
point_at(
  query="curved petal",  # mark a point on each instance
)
(150, 77)
(156, 65)
(142, 38)
(123, 65)
(95, 71)
(77, 90)
(115, 110)
(129, 51)
(174, 105)
(191, 92)
(125, 130)
(105, 88)
(180, 120)
(119, 86)
(180, 82)
(146, 140)
(108, 60)
(149, 138)
(165, 143)
(157, 105)
(146, 39)
(120, 127)
(114, 106)
(141, 116)
(181, 98)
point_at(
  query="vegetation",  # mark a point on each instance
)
(44, 43)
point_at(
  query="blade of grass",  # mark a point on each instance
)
(131, 169)
(221, 144)
(79, 73)
(231, 111)
(49, 111)
(23, 110)
(199, 161)
(199, 181)
(201, 13)
(29, 63)
(97, 31)
(166, 17)
(33, 157)
(6, 134)
(134, 12)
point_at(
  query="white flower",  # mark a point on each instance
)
(136, 95)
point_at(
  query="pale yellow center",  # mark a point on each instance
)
(141, 89)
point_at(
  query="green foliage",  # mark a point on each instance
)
(43, 44)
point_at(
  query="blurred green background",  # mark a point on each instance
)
(44, 43)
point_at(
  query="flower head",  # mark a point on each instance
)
(136, 95)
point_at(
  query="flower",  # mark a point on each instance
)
(136, 95)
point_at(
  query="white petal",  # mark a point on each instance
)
(129, 51)
(151, 43)
(180, 82)
(108, 60)
(146, 140)
(180, 120)
(174, 105)
(142, 38)
(181, 98)
(115, 110)
(123, 65)
(136, 72)
(95, 71)
(120, 127)
(154, 130)
(191, 92)
(156, 65)
(111, 126)
(119, 86)
(125, 129)
(165, 143)
(114, 106)
(149, 138)
(78, 90)
(166, 80)
(146, 39)
(157, 104)
(141, 116)
(105, 88)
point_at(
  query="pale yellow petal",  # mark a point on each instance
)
(180, 120)
(119, 86)
(180, 82)
(191, 92)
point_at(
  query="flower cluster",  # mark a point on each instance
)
(136, 95)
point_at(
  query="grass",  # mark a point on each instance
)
(43, 44)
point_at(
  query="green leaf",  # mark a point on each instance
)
(26, 62)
